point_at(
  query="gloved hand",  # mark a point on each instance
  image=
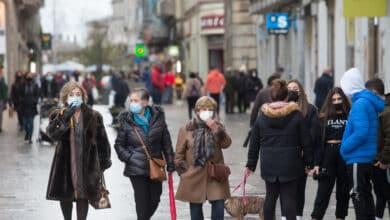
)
(170, 167)
(68, 113)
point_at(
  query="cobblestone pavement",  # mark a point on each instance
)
(25, 168)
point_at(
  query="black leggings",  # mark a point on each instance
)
(191, 105)
(147, 196)
(81, 206)
(287, 192)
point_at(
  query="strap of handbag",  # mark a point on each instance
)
(142, 142)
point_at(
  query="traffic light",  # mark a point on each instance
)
(140, 50)
(46, 41)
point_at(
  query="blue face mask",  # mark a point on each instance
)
(75, 101)
(49, 78)
(135, 108)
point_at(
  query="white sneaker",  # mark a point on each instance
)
(283, 218)
(299, 217)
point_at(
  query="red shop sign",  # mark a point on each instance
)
(212, 22)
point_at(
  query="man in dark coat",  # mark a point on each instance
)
(322, 87)
(30, 93)
(16, 98)
(3, 96)
(230, 91)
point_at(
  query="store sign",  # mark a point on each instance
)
(277, 23)
(212, 22)
(365, 8)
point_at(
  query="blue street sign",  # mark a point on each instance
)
(277, 23)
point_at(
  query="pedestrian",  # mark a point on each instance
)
(241, 91)
(146, 76)
(169, 81)
(322, 87)
(200, 142)
(16, 97)
(329, 167)
(30, 96)
(3, 97)
(179, 85)
(297, 94)
(157, 84)
(49, 89)
(381, 179)
(281, 134)
(89, 84)
(359, 142)
(82, 153)
(192, 92)
(215, 81)
(262, 97)
(230, 91)
(253, 85)
(122, 91)
(149, 122)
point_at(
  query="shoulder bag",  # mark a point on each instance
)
(156, 166)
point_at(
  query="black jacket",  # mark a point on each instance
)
(49, 89)
(95, 156)
(321, 89)
(280, 137)
(30, 93)
(157, 140)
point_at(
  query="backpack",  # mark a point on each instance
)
(194, 92)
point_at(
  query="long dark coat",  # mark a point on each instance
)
(95, 156)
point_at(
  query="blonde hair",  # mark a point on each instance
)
(205, 102)
(68, 88)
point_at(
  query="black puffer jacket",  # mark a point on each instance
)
(280, 136)
(157, 140)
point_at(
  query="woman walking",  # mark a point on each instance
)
(199, 144)
(192, 92)
(297, 94)
(280, 138)
(146, 122)
(330, 168)
(82, 153)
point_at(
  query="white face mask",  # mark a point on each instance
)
(205, 115)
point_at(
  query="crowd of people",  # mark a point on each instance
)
(342, 140)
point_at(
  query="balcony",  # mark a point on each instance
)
(166, 8)
(263, 6)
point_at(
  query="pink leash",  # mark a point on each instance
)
(242, 185)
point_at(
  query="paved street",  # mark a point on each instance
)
(24, 173)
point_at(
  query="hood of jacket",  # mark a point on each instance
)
(374, 99)
(279, 116)
(352, 82)
(214, 73)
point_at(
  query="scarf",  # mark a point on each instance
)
(143, 121)
(203, 142)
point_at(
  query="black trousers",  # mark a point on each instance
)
(242, 103)
(229, 103)
(147, 196)
(300, 196)
(216, 97)
(287, 192)
(382, 190)
(81, 206)
(359, 175)
(336, 173)
(191, 105)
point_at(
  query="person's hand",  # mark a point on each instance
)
(171, 167)
(68, 113)
(309, 171)
(381, 165)
(44, 100)
(212, 124)
(55, 99)
(315, 170)
(248, 171)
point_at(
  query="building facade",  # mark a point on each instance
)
(20, 33)
(321, 36)
(240, 35)
(203, 36)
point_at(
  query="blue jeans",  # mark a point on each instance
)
(217, 210)
(28, 122)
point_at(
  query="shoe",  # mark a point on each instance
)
(30, 141)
